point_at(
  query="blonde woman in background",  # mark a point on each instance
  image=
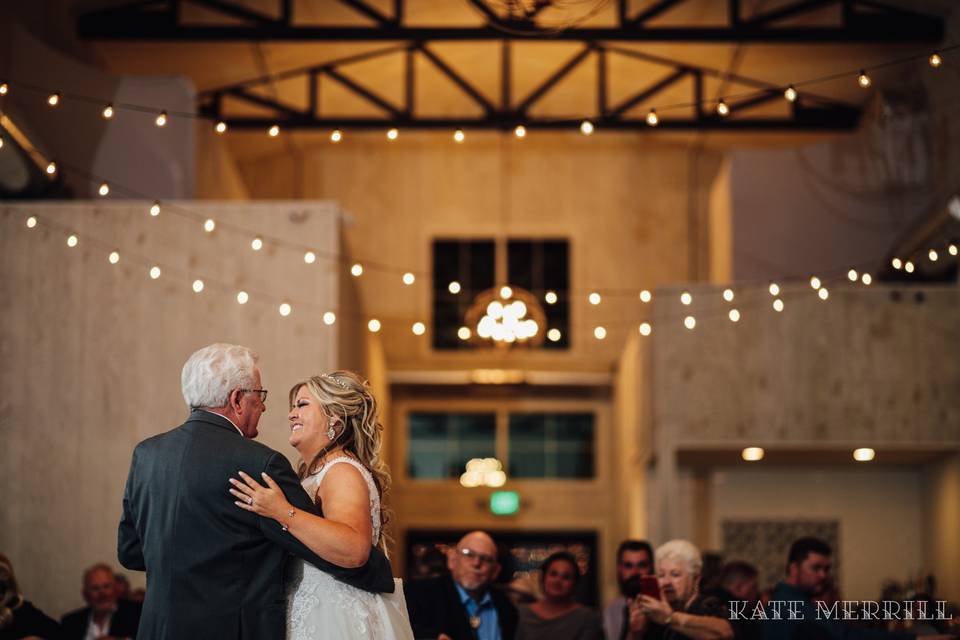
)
(18, 617)
(334, 425)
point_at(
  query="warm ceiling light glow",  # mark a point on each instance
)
(107, 112)
(550, 297)
(790, 94)
(155, 272)
(72, 241)
(273, 131)
(734, 315)
(599, 333)
(209, 225)
(104, 189)
(933, 255)
(197, 286)
(864, 454)
(908, 266)
(645, 296)
(652, 118)
(458, 136)
(393, 134)
(852, 275)
(686, 298)
(778, 305)
(356, 270)
(553, 335)
(520, 131)
(418, 328)
(815, 282)
(689, 322)
(866, 279)
(51, 168)
(752, 454)
(336, 135)
(863, 80)
(4, 88)
(594, 298)
(53, 99)
(586, 127)
(823, 293)
(329, 318)
(506, 292)
(645, 329)
(155, 209)
(243, 297)
(454, 287)
(728, 295)
(114, 257)
(31, 222)
(897, 263)
(774, 289)
(409, 278)
(161, 120)
(284, 309)
(935, 60)
(309, 257)
(220, 127)
(463, 333)
(373, 325)
(256, 244)
(722, 108)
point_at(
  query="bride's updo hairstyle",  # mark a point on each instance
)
(345, 396)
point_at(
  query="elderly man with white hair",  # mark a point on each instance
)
(681, 612)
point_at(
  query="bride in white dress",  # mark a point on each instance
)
(335, 428)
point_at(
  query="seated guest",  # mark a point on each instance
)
(462, 605)
(634, 559)
(104, 615)
(739, 581)
(682, 612)
(19, 618)
(807, 581)
(558, 616)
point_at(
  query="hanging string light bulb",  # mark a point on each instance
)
(107, 112)
(722, 109)
(520, 131)
(220, 127)
(393, 134)
(935, 60)
(586, 128)
(790, 94)
(336, 136)
(4, 88)
(161, 120)
(864, 80)
(652, 118)
(458, 136)
(53, 99)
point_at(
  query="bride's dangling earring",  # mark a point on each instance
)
(331, 432)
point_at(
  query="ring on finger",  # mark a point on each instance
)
(250, 501)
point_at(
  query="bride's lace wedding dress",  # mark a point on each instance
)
(320, 607)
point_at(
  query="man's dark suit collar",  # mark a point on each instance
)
(199, 415)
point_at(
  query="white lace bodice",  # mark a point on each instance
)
(312, 483)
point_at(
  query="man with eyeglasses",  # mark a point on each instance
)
(634, 559)
(463, 605)
(215, 571)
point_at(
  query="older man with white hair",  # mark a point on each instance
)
(215, 571)
(681, 612)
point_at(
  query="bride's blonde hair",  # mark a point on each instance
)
(344, 395)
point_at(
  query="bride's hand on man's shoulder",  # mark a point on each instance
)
(267, 501)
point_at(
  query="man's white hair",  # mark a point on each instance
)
(211, 373)
(682, 550)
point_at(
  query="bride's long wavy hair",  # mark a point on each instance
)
(345, 395)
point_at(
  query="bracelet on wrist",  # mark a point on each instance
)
(285, 526)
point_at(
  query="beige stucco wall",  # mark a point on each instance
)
(92, 356)
(941, 503)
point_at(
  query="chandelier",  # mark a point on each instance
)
(505, 317)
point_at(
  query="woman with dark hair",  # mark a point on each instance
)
(558, 616)
(19, 618)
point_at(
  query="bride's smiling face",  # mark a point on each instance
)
(308, 424)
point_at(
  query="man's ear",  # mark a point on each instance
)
(451, 558)
(496, 571)
(234, 400)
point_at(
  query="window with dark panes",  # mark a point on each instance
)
(441, 443)
(542, 266)
(472, 264)
(551, 445)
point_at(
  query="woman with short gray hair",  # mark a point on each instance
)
(681, 612)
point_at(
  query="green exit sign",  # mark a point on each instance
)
(504, 503)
